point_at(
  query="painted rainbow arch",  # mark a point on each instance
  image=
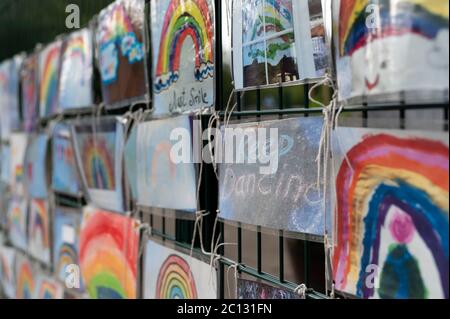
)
(40, 222)
(175, 280)
(183, 19)
(425, 18)
(108, 255)
(49, 79)
(392, 212)
(25, 281)
(99, 163)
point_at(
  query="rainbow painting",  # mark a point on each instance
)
(48, 288)
(392, 214)
(66, 238)
(173, 275)
(7, 273)
(177, 24)
(159, 177)
(39, 230)
(120, 39)
(262, 18)
(18, 144)
(75, 83)
(17, 223)
(29, 80)
(97, 154)
(25, 281)
(373, 43)
(49, 63)
(65, 176)
(425, 18)
(108, 253)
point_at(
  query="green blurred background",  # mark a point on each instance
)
(24, 23)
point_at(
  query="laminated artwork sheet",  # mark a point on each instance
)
(278, 41)
(163, 182)
(5, 125)
(66, 239)
(108, 252)
(374, 44)
(49, 64)
(18, 144)
(391, 213)
(282, 193)
(9, 96)
(7, 271)
(36, 166)
(5, 163)
(25, 277)
(170, 274)
(30, 92)
(39, 233)
(75, 87)
(99, 146)
(183, 55)
(48, 288)
(65, 175)
(5, 198)
(248, 289)
(17, 223)
(120, 41)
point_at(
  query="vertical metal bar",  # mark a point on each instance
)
(258, 230)
(281, 256)
(239, 243)
(306, 262)
(281, 233)
(163, 226)
(219, 101)
(306, 97)
(259, 250)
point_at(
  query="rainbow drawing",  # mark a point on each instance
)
(171, 274)
(175, 280)
(116, 23)
(66, 238)
(75, 81)
(17, 219)
(108, 255)
(49, 72)
(274, 17)
(76, 49)
(117, 31)
(392, 213)
(25, 279)
(39, 230)
(47, 288)
(97, 155)
(421, 17)
(185, 19)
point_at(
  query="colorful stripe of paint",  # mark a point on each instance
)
(387, 171)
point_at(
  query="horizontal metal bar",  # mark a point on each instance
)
(319, 110)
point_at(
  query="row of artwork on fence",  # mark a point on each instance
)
(274, 42)
(95, 254)
(387, 202)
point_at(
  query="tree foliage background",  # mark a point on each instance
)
(25, 23)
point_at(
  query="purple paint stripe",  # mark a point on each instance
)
(435, 160)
